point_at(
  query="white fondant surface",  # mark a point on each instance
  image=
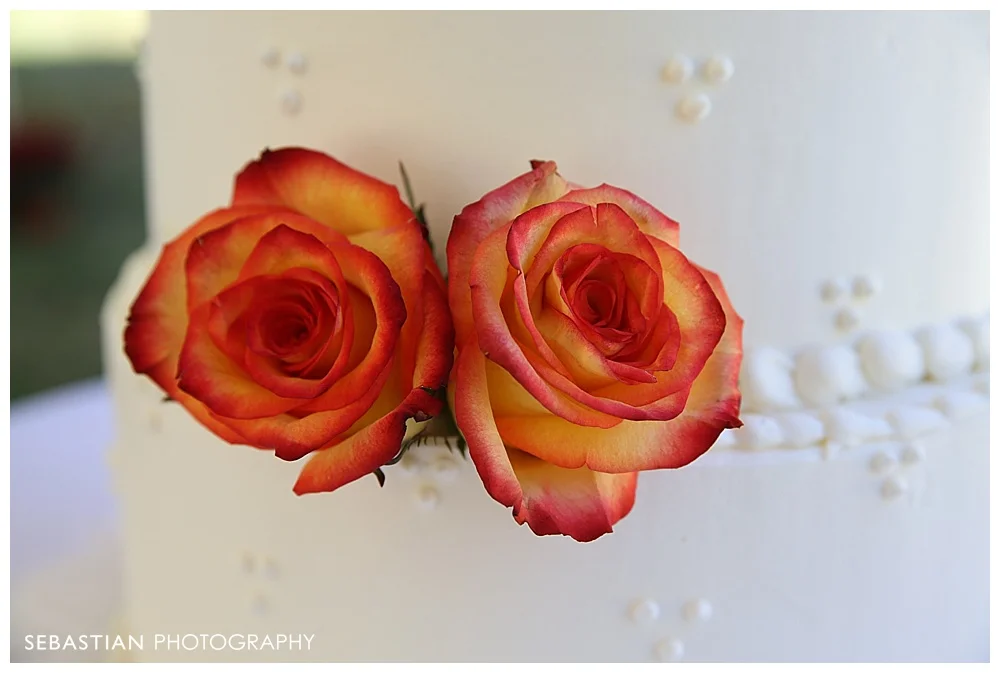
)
(842, 145)
(816, 162)
(770, 555)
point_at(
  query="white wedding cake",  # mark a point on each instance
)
(831, 167)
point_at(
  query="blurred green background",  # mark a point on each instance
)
(77, 199)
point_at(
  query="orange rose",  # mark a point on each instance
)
(589, 348)
(307, 317)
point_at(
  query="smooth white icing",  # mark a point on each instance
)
(787, 513)
(912, 421)
(851, 428)
(844, 190)
(959, 404)
(776, 198)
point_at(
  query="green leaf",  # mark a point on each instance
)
(418, 210)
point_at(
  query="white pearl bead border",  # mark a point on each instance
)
(885, 385)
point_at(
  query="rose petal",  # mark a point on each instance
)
(364, 452)
(607, 226)
(321, 188)
(369, 275)
(551, 500)
(701, 321)
(712, 406)
(158, 318)
(208, 374)
(650, 220)
(471, 402)
(291, 437)
(580, 503)
(270, 373)
(496, 209)
(216, 258)
(488, 278)
(165, 372)
(403, 250)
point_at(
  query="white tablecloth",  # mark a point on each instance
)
(65, 555)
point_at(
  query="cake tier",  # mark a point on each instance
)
(876, 551)
(832, 168)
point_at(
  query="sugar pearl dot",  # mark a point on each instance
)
(409, 463)
(846, 319)
(758, 432)
(865, 286)
(445, 468)
(645, 611)
(893, 487)
(911, 454)
(428, 497)
(766, 380)
(833, 290)
(297, 62)
(249, 563)
(718, 69)
(827, 375)
(677, 70)
(260, 605)
(881, 463)
(270, 57)
(948, 351)
(291, 102)
(697, 610)
(978, 330)
(694, 108)
(271, 569)
(670, 649)
(891, 360)
(155, 422)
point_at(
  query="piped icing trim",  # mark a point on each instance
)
(876, 363)
(886, 385)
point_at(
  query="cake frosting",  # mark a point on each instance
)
(841, 193)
